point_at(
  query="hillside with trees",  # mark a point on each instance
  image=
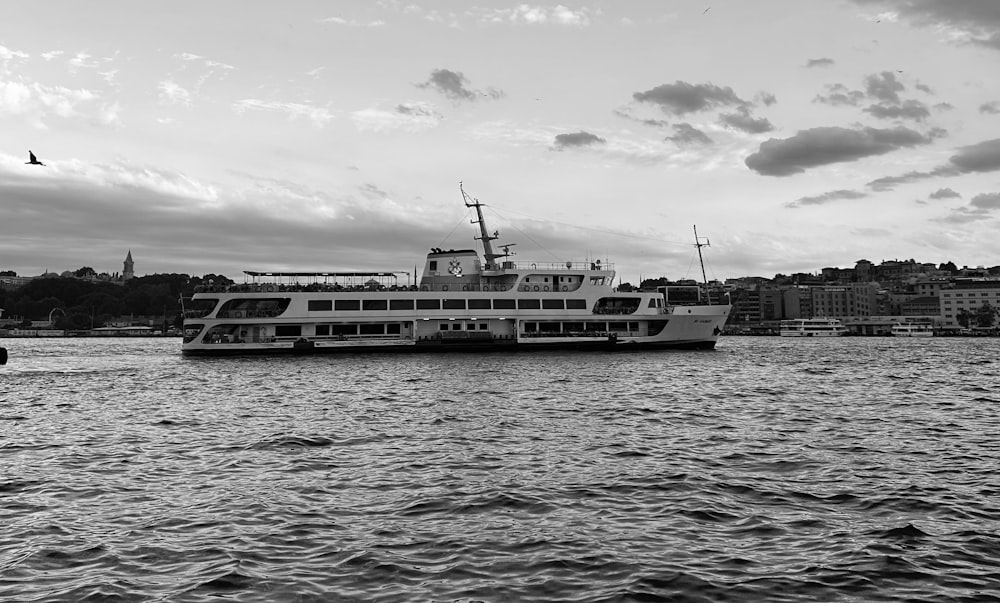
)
(82, 303)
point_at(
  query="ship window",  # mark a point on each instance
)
(322, 330)
(479, 304)
(456, 326)
(483, 326)
(617, 326)
(652, 303)
(576, 304)
(320, 305)
(549, 327)
(349, 329)
(633, 326)
(374, 304)
(530, 327)
(552, 304)
(392, 328)
(347, 304)
(288, 331)
(503, 304)
(428, 304)
(443, 326)
(433, 265)
(375, 329)
(400, 304)
(546, 279)
(529, 304)
(454, 304)
(199, 307)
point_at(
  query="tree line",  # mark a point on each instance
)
(76, 303)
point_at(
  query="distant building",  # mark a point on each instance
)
(968, 296)
(128, 271)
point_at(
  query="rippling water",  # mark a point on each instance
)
(769, 469)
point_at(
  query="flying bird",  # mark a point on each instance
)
(32, 160)
(706, 10)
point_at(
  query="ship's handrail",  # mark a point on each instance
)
(556, 266)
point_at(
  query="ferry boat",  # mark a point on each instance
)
(912, 329)
(812, 327)
(461, 302)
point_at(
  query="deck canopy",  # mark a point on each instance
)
(343, 278)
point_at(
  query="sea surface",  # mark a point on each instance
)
(769, 469)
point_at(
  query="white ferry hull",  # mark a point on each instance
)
(226, 334)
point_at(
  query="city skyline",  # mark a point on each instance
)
(251, 136)
(120, 273)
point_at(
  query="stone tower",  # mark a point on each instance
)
(129, 270)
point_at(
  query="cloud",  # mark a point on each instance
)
(826, 145)
(352, 22)
(824, 62)
(839, 94)
(35, 102)
(681, 97)
(452, 84)
(765, 98)
(944, 193)
(6, 54)
(538, 15)
(577, 139)
(884, 87)
(992, 108)
(827, 198)
(407, 117)
(910, 109)
(744, 122)
(686, 134)
(974, 22)
(320, 116)
(172, 93)
(980, 157)
(980, 207)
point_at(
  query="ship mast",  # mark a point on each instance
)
(488, 252)
(699, 245)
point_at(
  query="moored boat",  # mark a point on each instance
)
(912, 329)
(812, 327)
(461, 302)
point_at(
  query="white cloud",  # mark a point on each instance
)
(82, 61)
(539, 15)
(407, 117)
(7, 54)
(318, 115)
(172, 93)
(352, 22)
(18, 98)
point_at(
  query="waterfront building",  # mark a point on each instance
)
(968, 295)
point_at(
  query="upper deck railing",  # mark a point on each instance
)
(556, 266)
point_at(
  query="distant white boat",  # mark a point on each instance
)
(912, 329)
(812, 327)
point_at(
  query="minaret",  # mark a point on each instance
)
(129, 270)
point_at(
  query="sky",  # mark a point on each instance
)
(217, 137)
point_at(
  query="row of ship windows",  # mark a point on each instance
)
(347, 305)
(984, 294)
